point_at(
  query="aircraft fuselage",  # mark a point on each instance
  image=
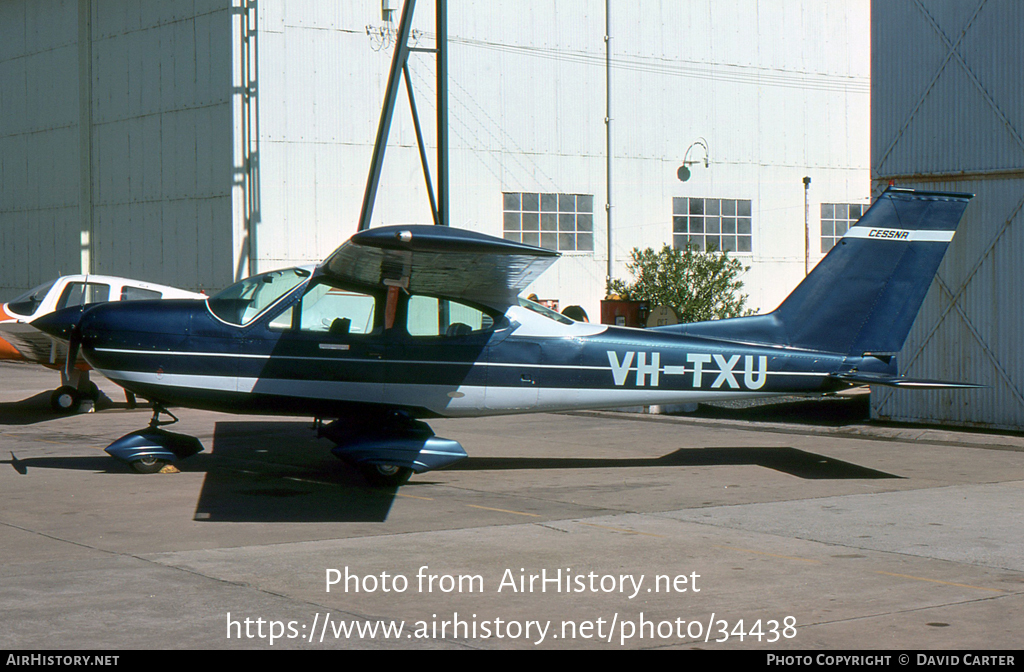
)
(525, 363)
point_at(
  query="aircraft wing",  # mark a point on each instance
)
(439, 261)
(34, 345)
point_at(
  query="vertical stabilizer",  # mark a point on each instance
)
(864, 295)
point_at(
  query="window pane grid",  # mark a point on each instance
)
(562, 222)
(712, 224)
(836, 219)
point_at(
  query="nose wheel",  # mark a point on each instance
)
(148, 451)
(386, 475)
(148, 465)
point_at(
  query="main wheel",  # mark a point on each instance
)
(386, 475)
(65, 399)
(148, 465)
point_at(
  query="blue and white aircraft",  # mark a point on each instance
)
(406, 323)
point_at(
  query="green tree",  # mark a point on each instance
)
(697, 285)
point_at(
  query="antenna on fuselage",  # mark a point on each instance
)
(399, 69)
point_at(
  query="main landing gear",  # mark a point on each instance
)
(389, 446)
(386, 446)
(67, 399)
(76, 389)
(73, 390)
(385, 475)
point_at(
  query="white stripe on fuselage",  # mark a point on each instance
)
(445, 400)
(619, 370)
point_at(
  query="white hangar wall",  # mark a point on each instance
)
(779, 90)
(948, 114)
(162, 141)
(230, 136)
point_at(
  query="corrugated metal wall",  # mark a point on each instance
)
(39, 217)
(162, 130)
(145, 193)
(948, 114)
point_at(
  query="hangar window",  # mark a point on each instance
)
(836, 219)
(712, 224)
(562, 222)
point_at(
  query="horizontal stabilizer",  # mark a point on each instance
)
(900, 381)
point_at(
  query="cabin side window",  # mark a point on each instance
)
(82, 294)
(129, 293)
(429, 316)
(339, 312)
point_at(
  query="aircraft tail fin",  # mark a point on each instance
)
(863, 297)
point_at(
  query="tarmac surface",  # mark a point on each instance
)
(717, 530)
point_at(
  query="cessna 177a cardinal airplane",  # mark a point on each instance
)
(406, 323)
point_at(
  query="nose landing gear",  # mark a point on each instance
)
(149, 450)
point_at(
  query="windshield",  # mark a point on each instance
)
(244, 301)
(544, 310)
(27, 303)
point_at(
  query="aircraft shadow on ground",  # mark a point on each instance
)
(787, 460)
(93, 463)
(36, 409)
(269, 471)
(29, 411)
(278, 471)
(257, 472)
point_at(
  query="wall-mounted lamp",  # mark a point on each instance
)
(684, 172)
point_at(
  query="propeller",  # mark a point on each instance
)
(74, 344)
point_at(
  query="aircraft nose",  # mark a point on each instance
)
(60, 323)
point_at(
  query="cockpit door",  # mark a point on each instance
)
(324, 351)
(438, 352)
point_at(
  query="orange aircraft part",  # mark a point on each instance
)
(7, 351)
